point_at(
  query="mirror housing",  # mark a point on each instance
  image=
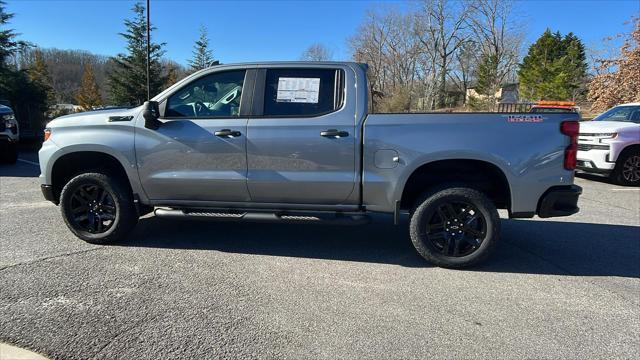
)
(151, 114)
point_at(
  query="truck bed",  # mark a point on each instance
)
(527, 148)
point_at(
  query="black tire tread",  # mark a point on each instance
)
(476, 197)
(126, 217)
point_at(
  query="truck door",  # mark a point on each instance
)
(199, 151)
(301, 142)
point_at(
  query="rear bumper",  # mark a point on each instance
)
(559, 201)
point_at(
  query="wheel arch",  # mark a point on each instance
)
(629, 148)
(482, 175)
(70, 164)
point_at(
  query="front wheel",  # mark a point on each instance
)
(455, 227)
(627, 170)
(98, 208)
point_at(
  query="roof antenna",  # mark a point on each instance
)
(148, 53)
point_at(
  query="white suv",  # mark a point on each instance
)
(610, 144)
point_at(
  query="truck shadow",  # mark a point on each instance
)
(534, 247)
(27, 151)
(19, 169)
(596, 178)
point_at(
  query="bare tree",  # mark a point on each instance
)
(616, 79)
(317, 52)
(465, 65)
(498, 35)
(368, 46)
(417, 57)
(440, 28)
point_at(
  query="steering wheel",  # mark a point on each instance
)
(201, 109)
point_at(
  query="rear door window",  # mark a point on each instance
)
(303, 92)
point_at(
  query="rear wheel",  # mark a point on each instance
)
(627, 170)
(455, 227)
(98, 208)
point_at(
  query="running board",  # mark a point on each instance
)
(328, 218)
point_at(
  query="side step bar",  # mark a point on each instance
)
(308, 218)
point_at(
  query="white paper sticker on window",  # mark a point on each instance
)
(298, 90)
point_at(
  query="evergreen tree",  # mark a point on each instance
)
(554, 68)
(16, 85)
(39, 75)
(8, 42)
(486, 75)
(88, 96)
(128, 80)
(202, 55)
(575, 63)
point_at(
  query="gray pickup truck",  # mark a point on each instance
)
(293, 142)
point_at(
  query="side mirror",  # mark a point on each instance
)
(151, 113)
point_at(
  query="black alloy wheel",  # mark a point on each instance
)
(98, 207)
(93, 209)
(456, 228)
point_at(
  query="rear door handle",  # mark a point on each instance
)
(334, 133)
(227, 133)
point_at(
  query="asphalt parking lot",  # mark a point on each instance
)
(556, 288)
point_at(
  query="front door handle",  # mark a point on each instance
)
(227, 133)
(334, 133)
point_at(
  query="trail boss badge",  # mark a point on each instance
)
(524, 118)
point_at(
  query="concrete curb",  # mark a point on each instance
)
(10, 352)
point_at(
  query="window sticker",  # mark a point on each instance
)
(298, 90)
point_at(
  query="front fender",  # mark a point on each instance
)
(116, 141)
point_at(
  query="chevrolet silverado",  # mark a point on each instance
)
(294, 142)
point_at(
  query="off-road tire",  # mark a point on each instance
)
(431, 202)
(125, 216)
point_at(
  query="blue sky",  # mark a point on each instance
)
(272, 30)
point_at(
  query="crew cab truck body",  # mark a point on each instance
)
(293, 142)
(610, 145)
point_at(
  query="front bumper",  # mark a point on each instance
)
(589, 166)
(47, 192)
(559, 201)
(595, 161)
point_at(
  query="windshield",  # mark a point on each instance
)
(621, 113)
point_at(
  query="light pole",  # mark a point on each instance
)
(148, 53)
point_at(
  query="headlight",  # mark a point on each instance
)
(605, 137)
(9, 117)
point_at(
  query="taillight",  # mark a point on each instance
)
(47, 134)
(571, 129)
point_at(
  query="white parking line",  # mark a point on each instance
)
(628, 189)
(29, 162)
